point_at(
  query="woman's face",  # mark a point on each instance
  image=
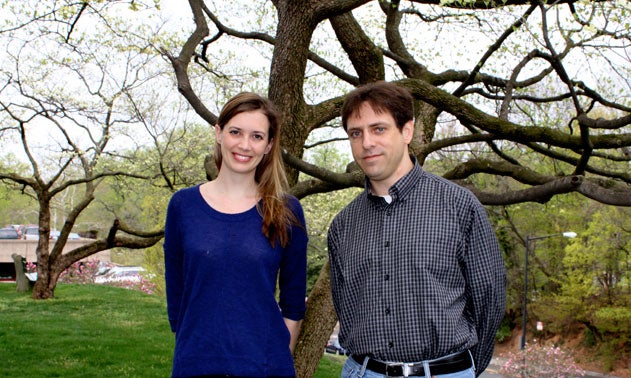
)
(244, 141)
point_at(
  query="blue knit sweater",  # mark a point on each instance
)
(221, 275)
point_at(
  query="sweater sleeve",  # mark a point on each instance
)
(173, 257)
(293, 269)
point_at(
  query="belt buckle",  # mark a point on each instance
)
(406, 368)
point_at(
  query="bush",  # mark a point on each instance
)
(85, 272)
(504, 332)
(541, 361)
(613, 319)
(589, 339)
(81, 272)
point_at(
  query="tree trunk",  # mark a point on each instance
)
(22, 282)
(44, 288)
(317, 327)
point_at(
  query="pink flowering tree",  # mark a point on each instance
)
(541, 361)
(85, 272)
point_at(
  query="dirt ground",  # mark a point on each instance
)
(583, 357)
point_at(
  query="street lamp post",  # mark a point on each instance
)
(529, 239)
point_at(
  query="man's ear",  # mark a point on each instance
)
(408, 131)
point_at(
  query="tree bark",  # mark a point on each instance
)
(317, 327)
(21, 281)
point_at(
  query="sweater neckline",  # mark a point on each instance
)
(216, 213)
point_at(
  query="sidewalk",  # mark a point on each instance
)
(497, 362)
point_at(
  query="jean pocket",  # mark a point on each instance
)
(351, 369)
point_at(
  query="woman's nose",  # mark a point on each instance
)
(244, 143)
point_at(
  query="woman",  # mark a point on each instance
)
(226, 243)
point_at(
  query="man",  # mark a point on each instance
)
(417, 275)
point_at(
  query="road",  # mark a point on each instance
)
(493, 370)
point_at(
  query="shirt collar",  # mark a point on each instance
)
(401, 188)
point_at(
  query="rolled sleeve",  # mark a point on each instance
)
(293, 269)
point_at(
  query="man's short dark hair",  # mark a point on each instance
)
(382, 96)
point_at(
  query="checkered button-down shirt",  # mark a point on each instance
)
(420, 277)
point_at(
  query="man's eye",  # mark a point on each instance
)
(380, 129)
(354, 134)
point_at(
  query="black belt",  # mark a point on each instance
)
(448, 365)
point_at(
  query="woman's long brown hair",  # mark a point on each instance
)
(270, 173)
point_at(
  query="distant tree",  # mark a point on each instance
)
(572, 283)
(73, 79)
(596, 268)
(16, 208)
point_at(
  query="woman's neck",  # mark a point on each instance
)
(230, 194)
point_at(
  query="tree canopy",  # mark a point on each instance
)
(494, 82)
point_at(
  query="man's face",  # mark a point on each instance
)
(379, 147)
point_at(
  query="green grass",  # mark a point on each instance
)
(86, 331)
(92, 331)
(330, 366)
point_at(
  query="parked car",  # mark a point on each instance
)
(104, 267)
(121, 274)
(9, 233)
(54, 234)
(334, 347)
(18, 228)
(31, 233)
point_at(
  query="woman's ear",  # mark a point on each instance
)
(268, 148)
(218, 136)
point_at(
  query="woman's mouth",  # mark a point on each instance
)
(241, 158)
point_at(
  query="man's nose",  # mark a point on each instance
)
(367, 140)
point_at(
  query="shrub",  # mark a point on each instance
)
(503, 333)
(541, 361)
(613, 319)
(31, 267)
(81, 272)
(85, 272)
(589, 339)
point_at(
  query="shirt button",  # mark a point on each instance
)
(387, 310)
(386, 277)
(387, 244)
(390, 344)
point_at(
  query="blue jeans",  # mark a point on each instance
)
(354, 370)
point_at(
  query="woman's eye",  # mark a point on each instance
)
(234, 132)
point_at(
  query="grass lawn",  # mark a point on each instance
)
(330, 366)
(92, 331)
(86, 331)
